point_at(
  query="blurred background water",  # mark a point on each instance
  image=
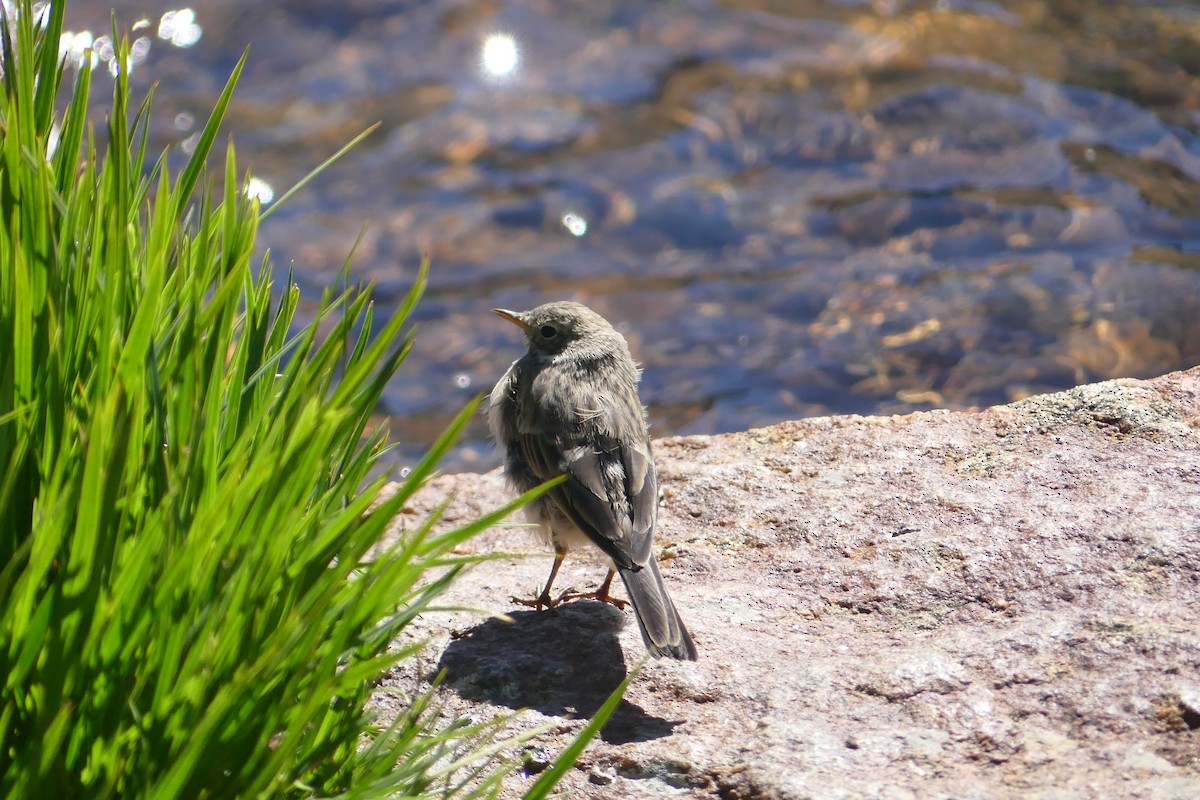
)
(789, 207)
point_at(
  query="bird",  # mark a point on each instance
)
(570, 407)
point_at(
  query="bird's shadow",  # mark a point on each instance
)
(564, 662)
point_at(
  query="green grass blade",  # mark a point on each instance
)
(324, 164)
(193, 601)
(199, 157)
(554, 773)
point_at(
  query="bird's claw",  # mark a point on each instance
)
(544, 601)
(602, 596)
(539, 603)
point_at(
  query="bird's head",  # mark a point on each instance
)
(565, 327)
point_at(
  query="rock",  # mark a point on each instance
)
(602, 776)
(536, 759)
(974, 605)
(1175, 789)
(924, 675)
(1189, 705)
(1141, 761)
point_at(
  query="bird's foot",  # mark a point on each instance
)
(600, 594)
(543, 601)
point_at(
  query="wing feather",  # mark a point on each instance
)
(573, 410)
(611, 492)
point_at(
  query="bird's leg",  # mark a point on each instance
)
(600, 594)
(544, 600)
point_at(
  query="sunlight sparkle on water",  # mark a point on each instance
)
(41, 12)
(260, 190)
(499, 56)
(574, 223)
(82, 49)
(77, 48)
(188, 145)
(179, 27)
(139, 49)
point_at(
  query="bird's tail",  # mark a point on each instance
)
(662, 629)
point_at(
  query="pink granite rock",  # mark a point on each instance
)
(970, 605)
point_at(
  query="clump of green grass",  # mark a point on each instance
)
(190, 604)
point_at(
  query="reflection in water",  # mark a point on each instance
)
(789, 207)
(499, 56)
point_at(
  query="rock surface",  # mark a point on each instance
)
(970, 605)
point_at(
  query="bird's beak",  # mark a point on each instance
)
(514, 317)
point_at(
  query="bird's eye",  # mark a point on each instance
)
(549, 332)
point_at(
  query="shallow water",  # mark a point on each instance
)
(789, 207)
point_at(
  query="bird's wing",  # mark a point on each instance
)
(611, 491)
(643, 497)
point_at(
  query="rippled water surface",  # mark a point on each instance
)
(789, 207)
